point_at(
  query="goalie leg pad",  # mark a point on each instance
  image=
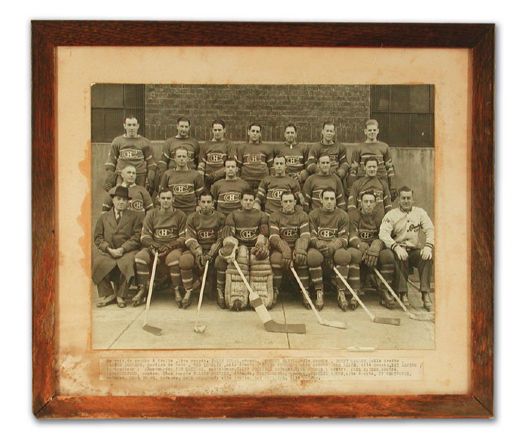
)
(261, 280)
(236, 293)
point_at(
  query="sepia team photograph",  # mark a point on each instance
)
(262, 216)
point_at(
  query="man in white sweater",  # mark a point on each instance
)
(400, 232)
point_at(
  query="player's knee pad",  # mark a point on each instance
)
(236, 293)
(173, 257)
(276, 259)
(386, 257)
(143, 257)
(356, 255)
(261, 280)
(220, 264)
(315, 258)
(186, 261)
(342, 257)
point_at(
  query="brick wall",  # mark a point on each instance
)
(308, 106)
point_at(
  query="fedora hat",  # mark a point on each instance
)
(121, 191)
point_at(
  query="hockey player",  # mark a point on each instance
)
(140, 200)
(227, 192)
(373, 148)
(163, 231)
(116, 239)
(130, 149)
(364, 237)
(335, 151)
(182, 139)
(399, 232)
(245, 236)
(316, 183)
(271, 188)
(369, 183)
(203, 239)
(254, 158)
(289, 239)
(214, 153)
(296, 155)
(185, 184)
(329, 229)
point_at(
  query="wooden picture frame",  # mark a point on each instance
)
(48, 35)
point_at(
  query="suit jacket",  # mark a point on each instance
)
(110, 234)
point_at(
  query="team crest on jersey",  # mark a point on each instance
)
(164, 233)
(182, 188)
(326, 233)
(275, 193)
(206, 234)
(413, 228)
(292, 160)
(231, 197)
(288, 232)
(215, 157)
(255, 157)
(248, 233)
(366, 235)
(136, 205)
(129, 154)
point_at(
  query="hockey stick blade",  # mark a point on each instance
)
(276, 327)
(334, 324)
(151, 329)
(390, 321)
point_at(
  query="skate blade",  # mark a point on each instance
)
(276, 327)
(151, 329)
(390, 321)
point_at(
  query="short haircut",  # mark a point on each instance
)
(404, 189)
(181, 148)
(166, 190)
(329, 189)
(287, 193)
(371, 122)
(254, 124)
(218, 121)
(280, 156)
(323, 155)
(291, 125)
(230, 159)
(129, 166)
(371, 159)
(130, 116)
(205, 193)
(368, 193)
(247, 192)
(183, 119)
(329, 123)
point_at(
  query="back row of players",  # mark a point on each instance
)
(267, 207)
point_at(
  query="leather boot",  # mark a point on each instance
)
(140, 296)
(353, 302)
(178, 297)
(341, 300)
(220, 298)
(306, 304)
(404, 298)
(319, 301)
(427, 302)
(386, 299)
(186, 301)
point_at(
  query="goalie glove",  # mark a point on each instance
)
(228, 250)
(261, 248)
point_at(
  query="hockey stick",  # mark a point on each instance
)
(200, 328)
(268, 323)
(378, 320)
(336, 324)
(149, 328)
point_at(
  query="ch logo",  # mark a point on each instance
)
(254, 158)
(366, 235)
(326, 233)
(289, 232)
(164, 232)
(292, 160)
(215, 157)
(182, 188)
(136, 205)
(131, 154)
(206, 235)
(231, 197)
(248, 234)
(276, 193)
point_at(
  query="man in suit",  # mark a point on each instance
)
(116, 240)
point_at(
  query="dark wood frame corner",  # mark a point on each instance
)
(48, 35)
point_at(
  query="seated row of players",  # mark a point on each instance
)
(313, 243)
(254, 159)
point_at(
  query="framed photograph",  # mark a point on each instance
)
(262, 220)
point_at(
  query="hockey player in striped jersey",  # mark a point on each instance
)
(271, 188)
(130, 149)
(213, 154)
(163, 231)
(227, 192)
(289, 240)
(373, 148)
(140, 199)
(185, 184)
(204, 230)
(295, 153)
(335, 151)
(254, 158)
(330, 229)
(182, 139)
(399, 231)
(369, 183)
(364, 237)
(316, 183)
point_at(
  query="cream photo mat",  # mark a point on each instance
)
(445, 369)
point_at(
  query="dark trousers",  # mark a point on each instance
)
(402, 269)
(105, 288)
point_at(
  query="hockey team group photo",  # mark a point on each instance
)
(262, 216)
